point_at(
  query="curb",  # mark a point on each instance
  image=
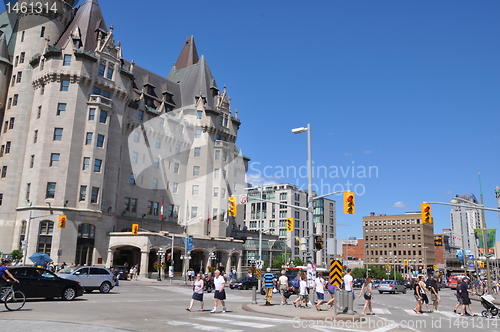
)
(340, 317)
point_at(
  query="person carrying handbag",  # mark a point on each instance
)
(367, 293)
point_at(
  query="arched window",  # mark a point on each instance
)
(45, 237)
(85, 244)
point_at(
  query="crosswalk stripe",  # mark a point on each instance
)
(381, 311)
(413, 313)
(232, 322)
(449, 314)
(200, 326)
(260, 318)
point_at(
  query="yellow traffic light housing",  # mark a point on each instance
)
(135, 229)
(349, 207)
(231, 207)
(61, 223)
(425, 210)
(290, 224)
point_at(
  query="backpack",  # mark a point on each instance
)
(296, 283)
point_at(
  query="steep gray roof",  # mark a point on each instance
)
(193, 80)
(88, 20)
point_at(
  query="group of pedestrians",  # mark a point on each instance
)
(219, 293)
(421, 289)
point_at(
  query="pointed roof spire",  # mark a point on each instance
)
(189, 54)
(90, 22)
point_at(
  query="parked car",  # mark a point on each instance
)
(391, 286)
(244, 283)
(121, 272)
(38, 282)
(91, 277)
(358, 283)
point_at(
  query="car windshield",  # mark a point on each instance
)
(387, 282)
(68, 270)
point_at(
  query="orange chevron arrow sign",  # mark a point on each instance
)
(335, 272)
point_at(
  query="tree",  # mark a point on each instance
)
(298, 262)
(16, 255)
(278, 262)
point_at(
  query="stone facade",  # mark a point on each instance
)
(97, 138)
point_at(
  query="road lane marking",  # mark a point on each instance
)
(200, 327)
(232, 322)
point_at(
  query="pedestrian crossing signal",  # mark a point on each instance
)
(61, 223)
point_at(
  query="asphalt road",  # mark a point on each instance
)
(136, 306)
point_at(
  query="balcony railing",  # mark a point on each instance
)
(97, 99)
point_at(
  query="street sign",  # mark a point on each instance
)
(471, 264)
(471, 257)
(243, 199)
(259, 264)
(335, 272)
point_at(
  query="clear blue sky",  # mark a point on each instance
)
(410, 88)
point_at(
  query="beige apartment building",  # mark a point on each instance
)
(107, 143)
(393, 239)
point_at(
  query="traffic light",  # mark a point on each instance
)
(135, 229)
(62, 221)
(318, 242)
(290, 224)
(406, 262)
(169, 255)
(482, 265)
(434, 267)
(301, 243)
(231, 207)
(425, 210)
(349, 207)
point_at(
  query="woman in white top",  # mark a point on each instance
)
(197, 292)
(283, 282)
(367, 292)
(319, 289)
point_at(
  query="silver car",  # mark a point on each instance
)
(391, 286)
(91, 277)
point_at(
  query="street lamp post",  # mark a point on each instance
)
(395, 259)
(309, 191)
(425, 259)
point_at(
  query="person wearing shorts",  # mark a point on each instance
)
(464, 292)
(458, 295)
(319, 288)
(219, 294)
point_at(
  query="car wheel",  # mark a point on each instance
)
(69, 294)
(394, 292)
(380, 292)
(404, 291)
(105, 287)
